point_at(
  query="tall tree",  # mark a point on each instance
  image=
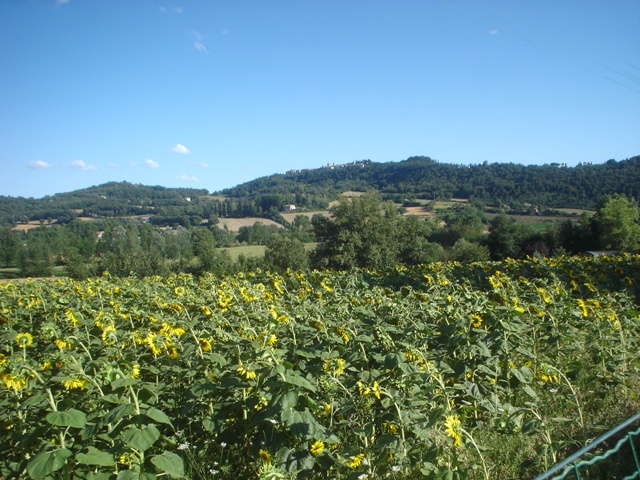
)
(618, 218)
(362, 232)
(284, 252)
(505, 237)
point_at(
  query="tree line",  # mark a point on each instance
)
(362, 231)
(498, 184)
(512, 187)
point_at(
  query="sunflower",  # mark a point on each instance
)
(24, 339)
(317, 448)
(453, 428)
(356, 460)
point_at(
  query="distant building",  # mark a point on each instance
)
(289, 208)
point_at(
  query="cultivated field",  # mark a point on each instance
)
(234, 224)
(481, 371)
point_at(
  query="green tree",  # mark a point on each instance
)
(466, 252)
(464, 221)
(414, 246)
(362, 232)
(301, 228)
(9, 245)
(580, 236)
(617, 217)
(284, 252)
(35, 258)
(505, 236)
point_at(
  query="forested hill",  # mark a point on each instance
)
(552, 185)
(111, 199)
(495, 184)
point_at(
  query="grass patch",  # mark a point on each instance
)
(257, 250)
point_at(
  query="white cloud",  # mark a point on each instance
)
(82, 165)
(62, 2)
(38, 165)
(178, 9)
(188, 178)
(151, 164)
(198, 42)
(200, 164)
(163, 9)
(493, 32)
(179, 148)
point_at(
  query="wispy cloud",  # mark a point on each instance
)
(151, 164)
(188, 178)
(166, 10)
(38, 165)
(62, 2)
(200, 164)
(82, 166)
(493, 32)
(198, 42)
(179, 148)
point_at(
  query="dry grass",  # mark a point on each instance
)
(290, 217)
(23, 227)
(419, 212)
(220, 198)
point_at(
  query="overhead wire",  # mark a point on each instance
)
(575, 55)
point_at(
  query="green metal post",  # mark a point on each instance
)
(633, 450)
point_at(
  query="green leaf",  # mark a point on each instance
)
(96, 457)
(298, 381)
(131, 475)
(124, 382)
(118, 412)
(298, 460)
(523, 374)
(219, 359)
(203, 388)
(98, 476)
(69, 418)
(45, 463)
(288, 400)
(35, 400)
(158, 415)
(169, 463)
(141, 438)
(531, 392)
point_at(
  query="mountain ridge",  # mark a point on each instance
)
(416, 178)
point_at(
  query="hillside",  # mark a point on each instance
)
(113, 199)
(553, 185)
(546, 186)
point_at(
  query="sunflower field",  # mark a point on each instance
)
(483, 371)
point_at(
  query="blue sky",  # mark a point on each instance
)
(210, 94)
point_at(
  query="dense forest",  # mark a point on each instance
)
(113, 199)
(548, 186)
(512, 187)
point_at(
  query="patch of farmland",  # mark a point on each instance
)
(23, 227)
(531, 218)
(290, 217)
(420, 211)
(234, 224)
(576, 211)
